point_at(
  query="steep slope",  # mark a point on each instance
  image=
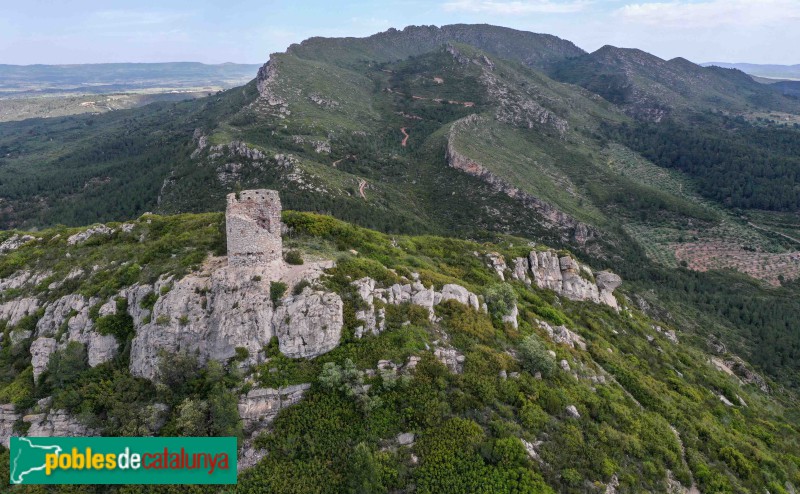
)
(541, 389)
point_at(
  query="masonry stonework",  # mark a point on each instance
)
(253, 227)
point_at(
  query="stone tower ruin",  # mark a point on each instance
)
(253, 226)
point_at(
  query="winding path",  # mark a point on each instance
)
(405, 138)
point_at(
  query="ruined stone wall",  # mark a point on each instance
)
(253, 226)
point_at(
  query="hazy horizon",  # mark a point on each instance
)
(247, 31)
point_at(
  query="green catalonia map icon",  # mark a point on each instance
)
(28, 458)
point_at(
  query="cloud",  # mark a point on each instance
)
(516, 7)
(712, 13)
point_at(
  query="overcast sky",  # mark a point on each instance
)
(247, 31)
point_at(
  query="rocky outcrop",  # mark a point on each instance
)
(72, 310)
(22, 279)
(259, 406)
(212, 312)
(269, 101)
(450, 357)
(308, 324)
(68, 319)
(560, 334)
(85, 235)
(569, 278)
(41, 350)
(257, 409)
(15, 242)
(511, 317)
(56, 423)
(498, 263)
(8, 417)
(607, 282)
(520, 270)
(550, 216)
(208, 314)
(414, 293)
(13, 311)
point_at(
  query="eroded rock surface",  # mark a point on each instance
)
(415, 293)
(569, 278)
(56, 423)
(309, 324)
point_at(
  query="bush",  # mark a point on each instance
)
(534, 357)
(149, 301)
(294, 257)
(298, 288)
(276, 291)
(500, 299)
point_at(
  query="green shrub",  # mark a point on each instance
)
(500, 299)
(276, 290)
(298, 288)
(459, 318)
(294, 257)
(149, 301)
(534, 357)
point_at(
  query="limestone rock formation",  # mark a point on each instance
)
(209, 313)
(414, 293)
(56, 423)
(560, 334)
(497, 263)
(258, 409)
(569, 278)
(85, 235)
(41, 350)
(520, 270)
(259, 406)
(13, 311)
(72, 310)
(8, 417)
(308, 324)
(15, 242)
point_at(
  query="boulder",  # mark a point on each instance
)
(572, 411)
(511, 317)
(41, 350)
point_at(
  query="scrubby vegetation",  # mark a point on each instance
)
(649, 409)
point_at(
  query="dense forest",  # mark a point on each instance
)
(734, 162)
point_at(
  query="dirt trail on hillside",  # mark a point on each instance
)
(405, 139)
